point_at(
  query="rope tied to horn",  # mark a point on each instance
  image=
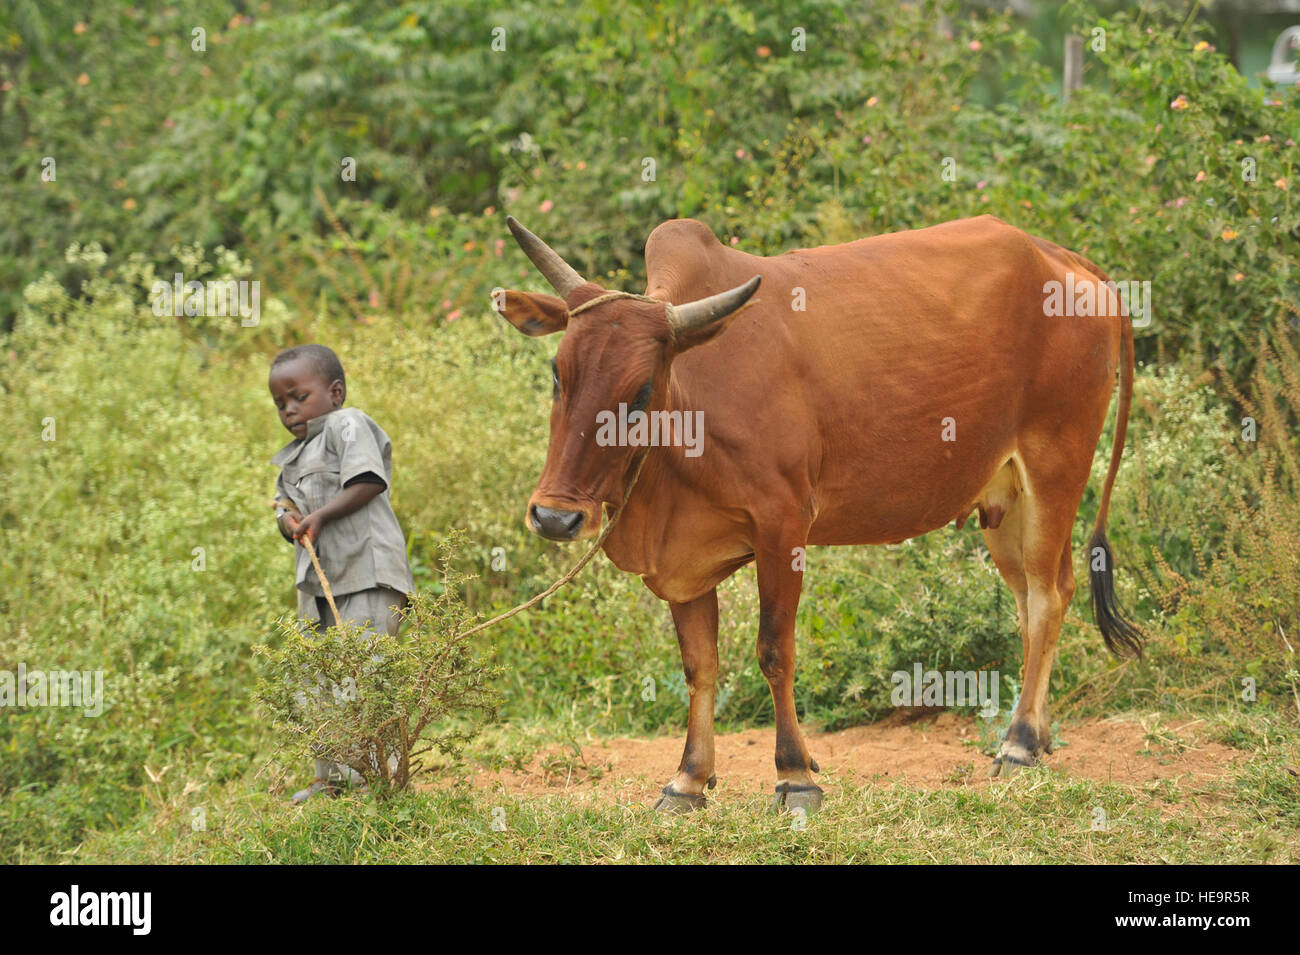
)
(671, 311)
(616, 295)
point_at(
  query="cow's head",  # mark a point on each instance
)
(616, 349)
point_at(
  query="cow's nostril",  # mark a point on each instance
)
(556, 525)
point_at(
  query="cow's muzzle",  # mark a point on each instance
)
(555, 525)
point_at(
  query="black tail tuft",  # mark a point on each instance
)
(1122, 637)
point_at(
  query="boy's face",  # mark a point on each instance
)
(300, 393)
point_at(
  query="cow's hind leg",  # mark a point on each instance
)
(697, 635)
(779, 587)
(1042, 577)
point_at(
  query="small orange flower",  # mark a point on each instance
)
(1229, 235)
(1281, 184)
(764, 51)
(546, 206)
(128, 203)
(1180, 102)
(83, 80)
(1200, 176)
(1238, 277)
(79, 29)
(873, 101)
(976, 45)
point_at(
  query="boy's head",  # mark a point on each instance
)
(306, 382)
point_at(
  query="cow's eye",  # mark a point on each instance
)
(642, 400)
(555, 381)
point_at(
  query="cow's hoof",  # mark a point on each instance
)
(792, 796)
(671, 801)
(1007, 763)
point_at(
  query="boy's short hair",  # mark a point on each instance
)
(322, 359)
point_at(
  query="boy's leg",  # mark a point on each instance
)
(333, 775)
(370, 607)
(379, 607)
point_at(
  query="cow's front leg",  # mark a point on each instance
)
(780, 581)
(697, 635)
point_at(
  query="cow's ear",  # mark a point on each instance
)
(534, 313)
(703, 333)
(705, 319)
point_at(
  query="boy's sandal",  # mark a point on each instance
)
(317, 787)
(351, 789)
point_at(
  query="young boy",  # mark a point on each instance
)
(337, 473)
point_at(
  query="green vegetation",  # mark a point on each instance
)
(134, 532)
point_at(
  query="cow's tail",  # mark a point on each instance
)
(1123, 638)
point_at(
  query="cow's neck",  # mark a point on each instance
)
(637, 542)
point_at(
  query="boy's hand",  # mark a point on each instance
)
(310, 526)
(288, 523)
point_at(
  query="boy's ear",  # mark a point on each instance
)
(533, 313)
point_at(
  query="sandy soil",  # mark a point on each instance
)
(931, 753)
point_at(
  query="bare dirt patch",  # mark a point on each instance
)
(930, 754)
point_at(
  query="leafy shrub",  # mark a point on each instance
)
(129, 544)
(1244, 607)
(365, 699)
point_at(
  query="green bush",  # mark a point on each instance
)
(366, 700)
(773, 138)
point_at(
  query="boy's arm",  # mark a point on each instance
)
(352, 498)
(362, 465)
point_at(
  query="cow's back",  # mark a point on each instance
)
(904, 340)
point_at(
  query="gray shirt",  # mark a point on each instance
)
(364, 549)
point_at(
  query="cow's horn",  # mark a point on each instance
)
(693, 315)
(554, 269)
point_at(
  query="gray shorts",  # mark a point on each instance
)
(379, 604)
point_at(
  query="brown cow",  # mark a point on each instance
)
(924, 379)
